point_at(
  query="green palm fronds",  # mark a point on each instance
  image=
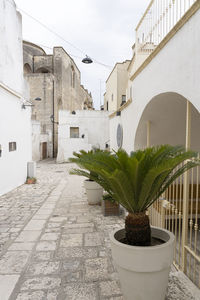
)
(136, 180)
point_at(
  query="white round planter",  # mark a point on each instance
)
(143, 271)
(94, 192)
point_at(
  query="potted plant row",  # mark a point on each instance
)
(94, 184)
(142, 254)
(94, 191)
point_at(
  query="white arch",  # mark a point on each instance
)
(167, 116)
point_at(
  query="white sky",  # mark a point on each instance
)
(102, 29)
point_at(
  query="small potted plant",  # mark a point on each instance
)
(109, 206)
(93, 190)
(142, 254)
(31, 180)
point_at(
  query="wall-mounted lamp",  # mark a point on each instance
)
(36, 99)
(52, 119)
(24, 105)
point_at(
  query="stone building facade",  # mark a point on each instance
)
(56, 81)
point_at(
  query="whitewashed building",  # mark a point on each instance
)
(164, 79)
(81, 131)
(15, 119)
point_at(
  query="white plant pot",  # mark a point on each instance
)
(94, 192)
(143, 271)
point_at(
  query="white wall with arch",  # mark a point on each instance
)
(171, 78)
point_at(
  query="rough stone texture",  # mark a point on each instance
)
(96, 269)
(13, 262)
(70, 255)
(40, 283)
(109, 288)
(71, 240)
(46, 245)
(81, 291)
(93, 239)
(43, 268)
(39, 295)
(53, 78)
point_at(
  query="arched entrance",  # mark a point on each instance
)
(169, 118)
(163, 121)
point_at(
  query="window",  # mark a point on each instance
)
(74, 132)
(107, 105)
(12, 146)
(0, 151)
(72, 77)
(124, 98)
(44, 128)
(112, 97)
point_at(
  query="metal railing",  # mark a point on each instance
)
(159, 18)
(179, 212)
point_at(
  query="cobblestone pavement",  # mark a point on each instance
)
(53, 244)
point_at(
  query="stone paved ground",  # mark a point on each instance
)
(55, 246)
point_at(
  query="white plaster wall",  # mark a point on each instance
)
(11, 58)
(93, 124)
(116, 85)
(122, 81)
(15, 126)
(15, 122)
(176, 68)
(111, 89)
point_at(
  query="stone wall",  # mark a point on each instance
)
(55, 79)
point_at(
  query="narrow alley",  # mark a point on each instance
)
(55, 246)
(52, 243)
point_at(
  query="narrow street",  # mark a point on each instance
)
(52, 243)
(55, 246)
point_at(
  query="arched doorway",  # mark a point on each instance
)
(163, 121)
(169, 118)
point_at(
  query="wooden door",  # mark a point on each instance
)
(44, 150)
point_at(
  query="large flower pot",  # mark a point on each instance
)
(143, 271)
(94, 192)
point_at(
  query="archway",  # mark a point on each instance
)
(27, 69)
(42, 70)
(163, 121)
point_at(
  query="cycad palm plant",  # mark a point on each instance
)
(135, 181)
(85, 161)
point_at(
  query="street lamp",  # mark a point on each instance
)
(87, 60)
